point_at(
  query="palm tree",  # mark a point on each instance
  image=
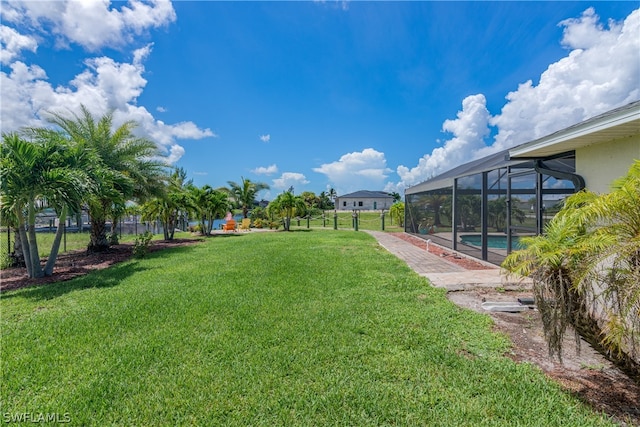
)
(175, 201)
(47, 171)
(325, 202)
(210, 205)
(589, 258)
(609, 273)
(127, 167)
(435, 202)
(286, 206)
(244, 194)
(332, 194)
(550, 260)
(8, 219)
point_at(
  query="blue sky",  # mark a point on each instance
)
(318, 95)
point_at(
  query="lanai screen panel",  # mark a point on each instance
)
(428, 214)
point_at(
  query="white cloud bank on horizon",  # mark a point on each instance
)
(600, 73)
(104, 85)
(355, 171)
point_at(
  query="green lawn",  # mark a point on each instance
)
(303, 328)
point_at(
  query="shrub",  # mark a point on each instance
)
(141, 244)
(586, 270)
(274, 225)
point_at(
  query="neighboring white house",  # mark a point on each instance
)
(364, 200)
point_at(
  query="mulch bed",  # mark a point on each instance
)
(77, 263)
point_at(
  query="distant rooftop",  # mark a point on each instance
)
(367, 194)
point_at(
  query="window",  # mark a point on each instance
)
(344, 204)
(360, 204)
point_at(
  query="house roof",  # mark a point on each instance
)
(615, 124)
(367, 194)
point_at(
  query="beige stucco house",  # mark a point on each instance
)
(605, 146)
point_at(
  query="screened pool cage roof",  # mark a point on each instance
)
(485, 164)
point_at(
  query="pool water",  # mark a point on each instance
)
(495, 242)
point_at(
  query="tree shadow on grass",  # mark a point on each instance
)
(223, 235)
(102, 278)
(106, 278)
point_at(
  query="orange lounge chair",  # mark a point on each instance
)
(230, 225)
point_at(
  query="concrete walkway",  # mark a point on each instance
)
(442, 273)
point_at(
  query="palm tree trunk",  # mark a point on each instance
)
(98, 241)
(55, 248)
(36, 268)
(113, 236)
(26, 250)
(17, 256)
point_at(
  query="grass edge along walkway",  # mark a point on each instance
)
(301, 328)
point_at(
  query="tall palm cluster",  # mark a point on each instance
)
(83, 163)
(586, 270)
(79, 162)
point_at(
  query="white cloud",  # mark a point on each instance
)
(265, 138)
(161, 109)
(290, 179)
(105, 85)
(600, 72)
(12, 43)
(90, 24)
(269, 170)
(175, 153)
(469, 131)
(365, 170)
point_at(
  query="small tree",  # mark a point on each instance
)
(286, 206)
(50, 170)
(176, 199)
(550, 260)
(209, 205)
(586, 270)
(126, 167)
(244, 194)
(396, 212)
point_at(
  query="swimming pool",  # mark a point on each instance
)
(493, 241)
